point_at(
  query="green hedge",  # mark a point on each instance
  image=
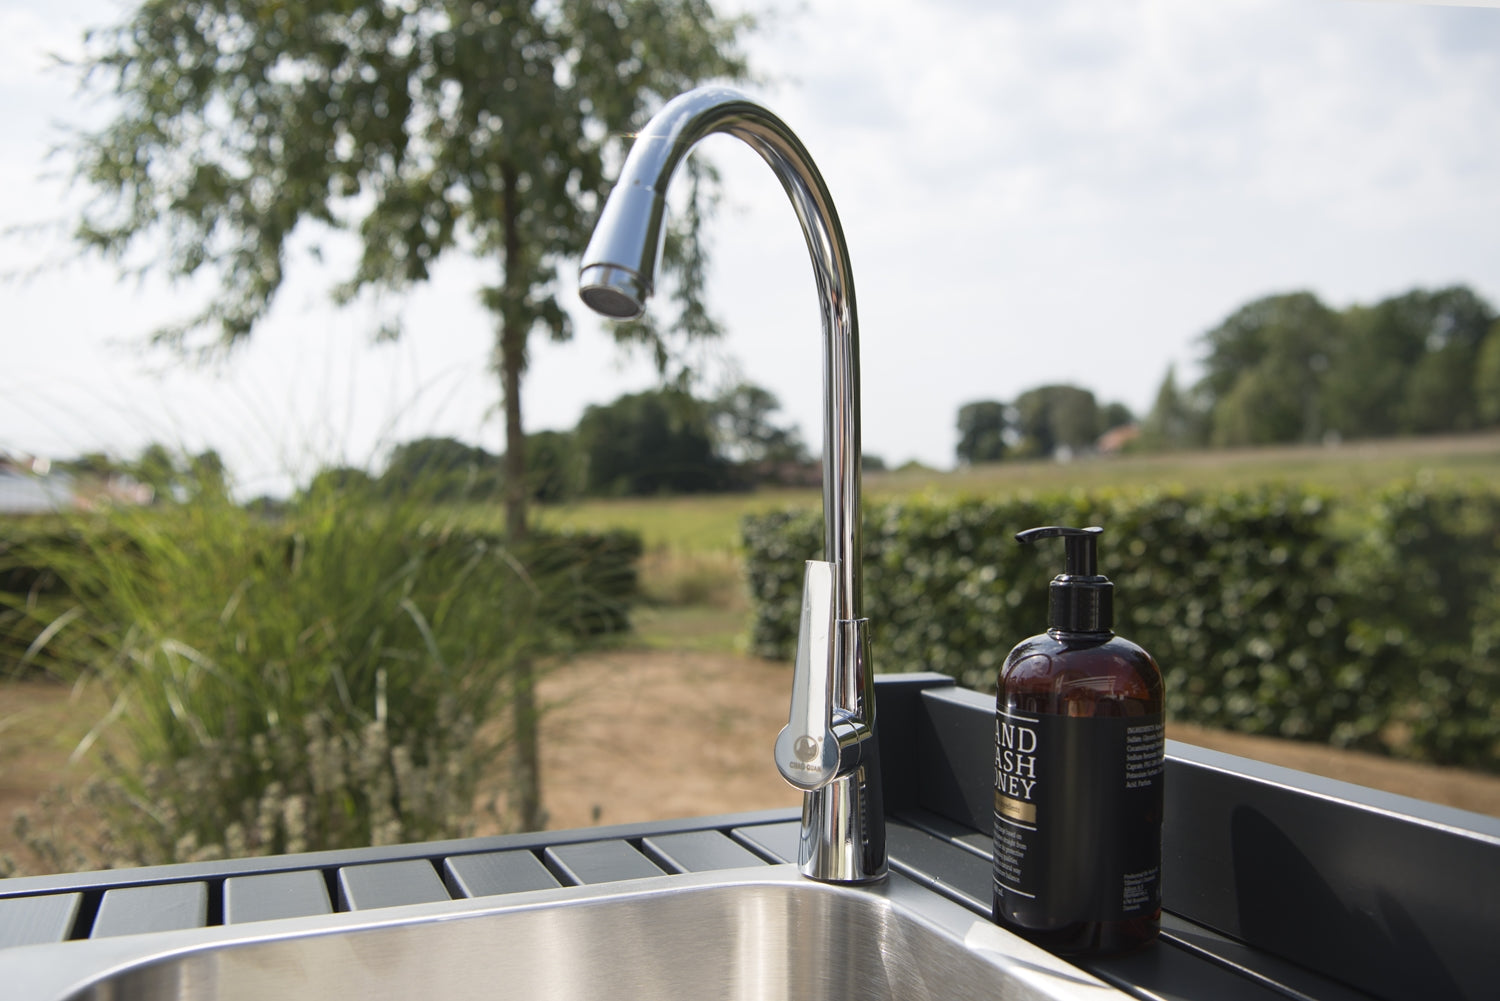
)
(1370, 622)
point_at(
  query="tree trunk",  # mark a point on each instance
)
(526, 774)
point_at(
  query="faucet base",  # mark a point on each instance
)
(843, 829)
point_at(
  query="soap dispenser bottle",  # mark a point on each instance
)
(1079, 746)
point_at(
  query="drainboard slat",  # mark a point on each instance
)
(495, 872)
(36, 920)
(780, 841)
(266, 896)
(951, 870)
(1246, 961)
(131, 910)
(389, 884)
(698, 851)
(981, 843)
(1163, 971)
(599, 862)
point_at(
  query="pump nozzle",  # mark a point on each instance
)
(1080, 599)
(1082, 543)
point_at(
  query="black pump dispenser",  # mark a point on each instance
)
(1080, 599)
(1080, 742)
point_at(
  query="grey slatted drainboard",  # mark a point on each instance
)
(240, 899)
(266, 896)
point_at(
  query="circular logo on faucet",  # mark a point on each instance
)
(805, 748)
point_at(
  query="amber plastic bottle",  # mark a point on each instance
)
(1079, 748)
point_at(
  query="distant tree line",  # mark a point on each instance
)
(1287, 368)
(1282, 369)
(170, 475)
(1041, 423)
(661, 441)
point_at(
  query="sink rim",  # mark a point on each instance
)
(61, 970)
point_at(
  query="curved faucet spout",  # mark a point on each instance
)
(620, 265)
(843, 827)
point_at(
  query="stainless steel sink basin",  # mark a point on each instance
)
(742, 934)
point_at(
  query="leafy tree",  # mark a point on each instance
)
(1287, 368)
(1052, 418)
(1255, 331)
(745, 430)
(157, 467)
(427, 128)
(333, 481)
(179, 476)
(1452, 325)
(1115, 415)
(1265, 370)
(96, 464)
(982, 427)
(650, 443)
(552, 466)
(206, 473)
(1368, 376)
(1487, 378)
(1407, 365)
(1175, 420)
(441, 469)
(268, 508)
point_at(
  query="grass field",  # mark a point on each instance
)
(710, 523)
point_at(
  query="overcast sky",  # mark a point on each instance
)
(1071, 191)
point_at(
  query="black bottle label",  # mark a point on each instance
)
(1078, 805)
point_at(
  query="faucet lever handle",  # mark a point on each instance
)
(807, 751)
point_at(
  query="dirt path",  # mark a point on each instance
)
(40, 725)
(650, 735)
(654, 736)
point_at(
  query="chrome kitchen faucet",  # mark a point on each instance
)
(828, 749)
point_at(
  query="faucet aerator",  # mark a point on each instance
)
(611, 291)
